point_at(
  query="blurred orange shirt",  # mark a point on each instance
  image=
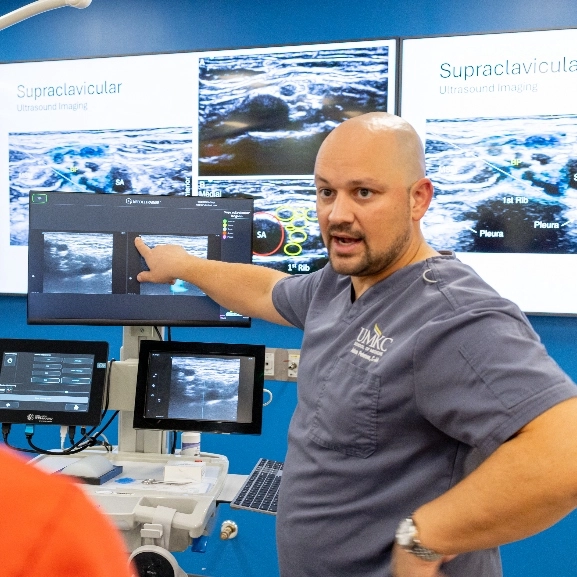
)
(49, 528)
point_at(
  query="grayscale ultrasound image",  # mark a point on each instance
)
(204, 388)
(77, 263)
(269, 113)
(195, 245)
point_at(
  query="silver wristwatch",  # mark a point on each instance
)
(407, 537)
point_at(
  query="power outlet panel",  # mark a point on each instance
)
(294, 357)
(276, 364)
(269, 363)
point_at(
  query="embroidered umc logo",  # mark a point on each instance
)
(371, 345)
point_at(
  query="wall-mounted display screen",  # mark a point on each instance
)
(496, 113)
(83, 263)
(174, 124)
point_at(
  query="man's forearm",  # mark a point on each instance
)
(243, 288)
(527, 485)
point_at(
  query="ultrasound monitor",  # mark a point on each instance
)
(83, 263)
(52, 382)
(208, 387)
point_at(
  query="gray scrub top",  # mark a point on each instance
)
(401, 393)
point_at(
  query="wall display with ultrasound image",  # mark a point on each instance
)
(267, 111)
(520, 178)
(90, 277)
(52, 382)
(496, 114)
(209, 387)
(103, 125)
(286, 233)
(142, 161)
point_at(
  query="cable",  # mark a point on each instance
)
(107, 425)
(77, 448)
(6, 430)
(158, 333)
(71, 433)
(107, 397)
(106, 443)
(173, 443)
(88, 439)
(168, 334)
(62, 436)
(6, 427)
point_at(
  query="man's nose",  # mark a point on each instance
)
(341, 209)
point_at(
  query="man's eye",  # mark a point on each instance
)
(364, 193)
(324, 192)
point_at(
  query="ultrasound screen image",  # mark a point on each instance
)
(195, 245)
(268, 113)
(204, 388)
(77, 263)
(129, 161)
(503, 184)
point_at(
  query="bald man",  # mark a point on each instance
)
(431, 425)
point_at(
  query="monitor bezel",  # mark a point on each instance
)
(198, 349)
(92, 417)
(132, 319)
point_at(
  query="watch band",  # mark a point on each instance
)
(407, 537)
(424, 552)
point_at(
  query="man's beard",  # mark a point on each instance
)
(370, 263)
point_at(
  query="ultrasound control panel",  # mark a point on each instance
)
(34, 380)
(54, 382)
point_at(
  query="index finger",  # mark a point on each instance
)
(141, 246)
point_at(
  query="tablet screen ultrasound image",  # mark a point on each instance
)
(505, 184)
(193, 386)
(204, 388)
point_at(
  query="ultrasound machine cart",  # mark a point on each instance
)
(152, 515)
(152, 512)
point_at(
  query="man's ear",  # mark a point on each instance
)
(421, 195)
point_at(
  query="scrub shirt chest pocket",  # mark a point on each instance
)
(345, 418)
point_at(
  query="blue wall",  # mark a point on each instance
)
(110, 27)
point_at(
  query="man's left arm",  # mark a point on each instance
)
(525, 486)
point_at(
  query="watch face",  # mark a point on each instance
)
(406, 532)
